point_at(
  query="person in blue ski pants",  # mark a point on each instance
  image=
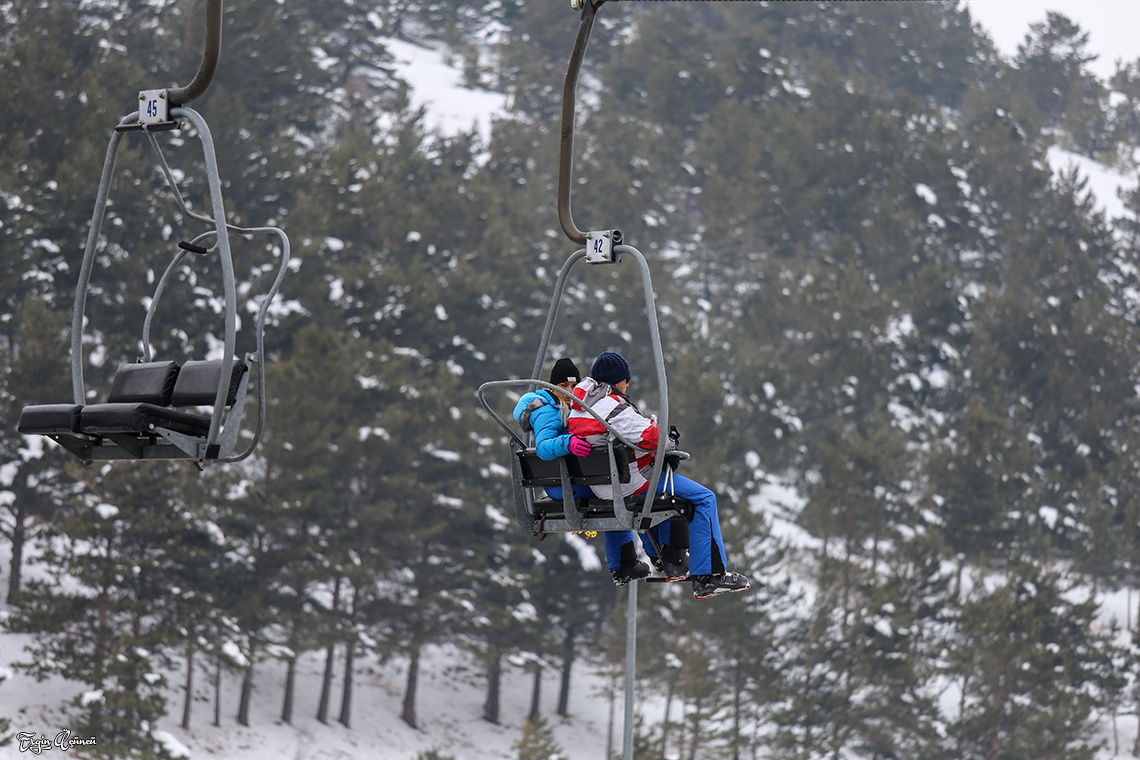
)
(546, 414)
(606, 392)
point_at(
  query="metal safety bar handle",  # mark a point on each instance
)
(211, 51)
(533, 383)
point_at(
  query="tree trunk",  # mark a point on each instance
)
(345, 718)
(16, 564)
(408, 714)
(246, 693)
(189, 681)
(494, 685)
(610, 721)
(349, 660)
(326, 685)
(564, 681)
(218, 692)
(536, 692)
(290, 683)
(665, 718)
(330, 661)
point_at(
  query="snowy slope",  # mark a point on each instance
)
(449, 707)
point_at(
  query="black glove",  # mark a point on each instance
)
(674, 434)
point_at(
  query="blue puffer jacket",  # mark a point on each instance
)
(540, 411)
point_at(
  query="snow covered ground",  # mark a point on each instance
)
(449, 707)
(437, 87)
(449, 704)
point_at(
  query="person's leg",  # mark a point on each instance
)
(706, 552)
(647, 542)
(614, 541)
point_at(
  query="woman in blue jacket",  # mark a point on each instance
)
(546, 413)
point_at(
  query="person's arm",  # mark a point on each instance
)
(636, 428)
(551, 439)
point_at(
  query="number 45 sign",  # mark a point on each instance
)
(153, 106)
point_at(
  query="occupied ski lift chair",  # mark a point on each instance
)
(610, 466)
(157, 409)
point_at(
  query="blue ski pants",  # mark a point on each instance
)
(706, 546)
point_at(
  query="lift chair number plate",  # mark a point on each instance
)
(599, 247)
(153, 106)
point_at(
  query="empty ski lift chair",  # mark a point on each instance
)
(158, 409)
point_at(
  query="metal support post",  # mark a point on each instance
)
(630, 670)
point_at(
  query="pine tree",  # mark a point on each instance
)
(104, 615)
(537, 742)
(35, 371)
(1032, 668)
(1054, 62)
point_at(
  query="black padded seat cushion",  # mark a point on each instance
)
(99, 419)
(590, 470)
(197, 383)
(49, 418)
(148, 383)
(662, 502)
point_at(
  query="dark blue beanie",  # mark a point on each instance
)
(610, 368)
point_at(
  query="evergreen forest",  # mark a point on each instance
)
(877, 298)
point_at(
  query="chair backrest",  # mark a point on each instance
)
(197, 383)
(146, 383)
(591, 470)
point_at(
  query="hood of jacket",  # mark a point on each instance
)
(592, 391)
(528, 403)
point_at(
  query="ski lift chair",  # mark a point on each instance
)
(609, 466)
(158, 409)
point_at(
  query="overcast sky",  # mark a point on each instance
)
(1113, 25)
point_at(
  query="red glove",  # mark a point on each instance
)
(578, 446)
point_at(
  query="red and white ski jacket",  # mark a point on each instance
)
(623, 417)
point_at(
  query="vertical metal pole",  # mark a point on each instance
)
(78, 390)
(225, 259)
(552, 315)
(630, 670)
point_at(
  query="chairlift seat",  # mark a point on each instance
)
(141, 395)
(145, 383)
(550, 509)
(590, 470)
(45, 419)
(151, 383)
(101, 419)
(147, 402)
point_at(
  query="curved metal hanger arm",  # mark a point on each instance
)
(569, 99)
(210, 53)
